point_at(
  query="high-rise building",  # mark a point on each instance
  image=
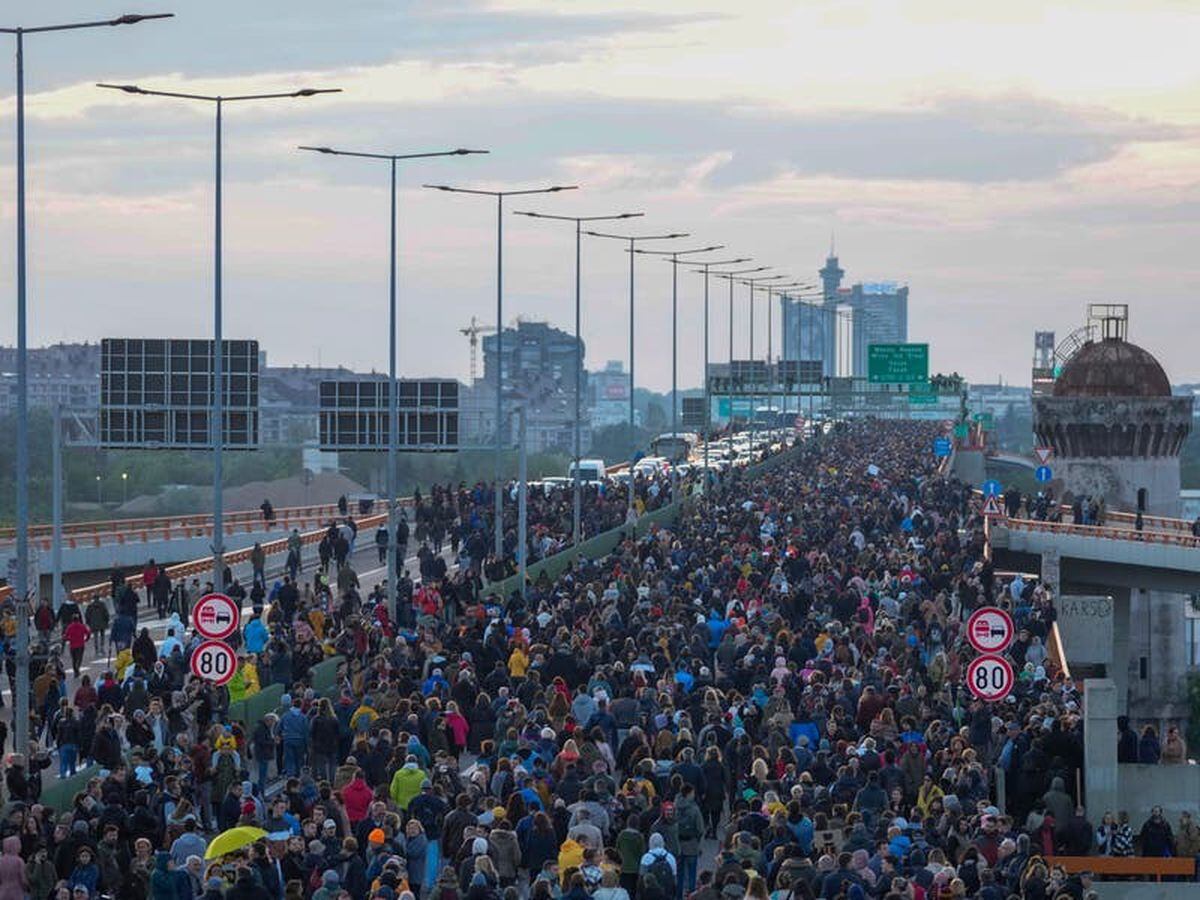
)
(539, 366)
(64, 374)
(877, 312)
(608, 395)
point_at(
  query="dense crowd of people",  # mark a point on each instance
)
(762, 699)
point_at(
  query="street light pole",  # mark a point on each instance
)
(393, 564)
(578, 220)
(217, 419)
(673, 259)
(499, 196)
(56, 591)
(772, 373)
(705, 267)
(522, 500)
(633, 241)
(21, 586)
(730, 277)
(752, 282)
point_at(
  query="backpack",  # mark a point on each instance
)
(687, 828)
(660, 868)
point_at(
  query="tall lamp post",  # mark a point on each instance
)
(21, 586)
(775, 290)
(752, 283)
(705, 267)
(217, 418)
(499, 197)
(672, 257)
(393, 387)
(731, 277)
(791, 292)
(633, 241)
(578, 220)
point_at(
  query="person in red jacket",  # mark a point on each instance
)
(356, 797)
(149, 574)
(77, 635)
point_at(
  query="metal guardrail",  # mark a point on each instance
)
(196, 566)
(1104, 531)
(195, 522)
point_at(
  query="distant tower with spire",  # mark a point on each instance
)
(831, 275)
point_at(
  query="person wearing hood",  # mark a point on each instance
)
(256, 635)
(13, 883)
(331, 886)
(1058, 803)
(356, 797)
(659, 864)
(406, 783)
(691, 829)
(505, 851)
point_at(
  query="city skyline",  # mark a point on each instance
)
(1007, 190)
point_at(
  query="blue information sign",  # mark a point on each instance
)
(992, 488)
(1043, 473)
(941, 446)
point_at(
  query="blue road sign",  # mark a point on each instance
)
(992, 488)
(941, 446)
(1043, 473)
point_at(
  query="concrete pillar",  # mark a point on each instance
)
(1100, 745)
(1168, 662)
(1120, 669)
(1051, 565)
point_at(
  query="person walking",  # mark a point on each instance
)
(97, 617)
(76, 635)
(258, 562)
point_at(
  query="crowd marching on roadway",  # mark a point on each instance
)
(763, 698)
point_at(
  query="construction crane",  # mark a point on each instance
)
(473, 331)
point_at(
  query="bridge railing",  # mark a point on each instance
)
(233, 520)
(1112, 532)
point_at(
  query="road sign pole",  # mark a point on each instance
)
(218, 406)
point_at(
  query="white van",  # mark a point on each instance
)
(592, 470)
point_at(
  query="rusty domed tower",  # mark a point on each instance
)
(1115, 428)
(1117, 433)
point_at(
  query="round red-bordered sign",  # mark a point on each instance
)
(990, 630)
(214, 661)
(990, 678)
(216, 616)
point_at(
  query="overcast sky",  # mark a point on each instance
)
(1009, 161)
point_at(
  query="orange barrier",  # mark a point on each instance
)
(1144, 866)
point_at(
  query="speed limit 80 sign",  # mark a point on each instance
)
(214, 661)
(990, 678)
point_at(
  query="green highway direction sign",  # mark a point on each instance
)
(897, 363)
(961, 430)
(739, 407)
(985, 420)
(922, 393)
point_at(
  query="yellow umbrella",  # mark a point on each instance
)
(233, 840)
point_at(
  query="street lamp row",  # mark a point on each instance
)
(216, 424)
